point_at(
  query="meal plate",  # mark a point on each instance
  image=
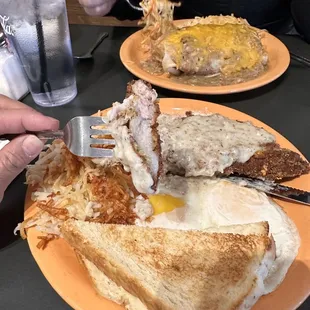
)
(279, 59)
(61, 268)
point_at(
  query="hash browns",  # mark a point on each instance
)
(67, 186)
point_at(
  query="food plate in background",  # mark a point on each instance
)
(132, 56)
(63, 271)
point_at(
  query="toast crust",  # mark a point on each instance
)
(106, 288)
(80, 259)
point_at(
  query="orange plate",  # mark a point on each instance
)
(61, 268)
(279, 59)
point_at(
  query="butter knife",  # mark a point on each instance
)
(273, 189)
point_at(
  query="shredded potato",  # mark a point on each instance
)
(67, 186)
(158, 22)
(44, 240)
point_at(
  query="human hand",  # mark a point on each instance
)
(97, 7)
(15, 118)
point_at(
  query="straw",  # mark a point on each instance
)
(45, 86)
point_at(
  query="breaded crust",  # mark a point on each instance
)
(129, 87)
(157, 145)
(273, 164)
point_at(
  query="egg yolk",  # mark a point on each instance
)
(165, 203)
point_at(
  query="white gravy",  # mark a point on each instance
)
(204, 145)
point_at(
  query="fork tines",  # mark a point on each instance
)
(97, 143)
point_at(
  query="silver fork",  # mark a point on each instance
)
(135, 7)
(78, 136)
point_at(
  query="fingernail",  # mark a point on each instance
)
(54, 121)
(32, 146)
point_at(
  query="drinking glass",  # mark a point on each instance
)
(38, 33)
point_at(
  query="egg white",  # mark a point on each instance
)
(216, 202)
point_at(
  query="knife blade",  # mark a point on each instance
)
(273, 189)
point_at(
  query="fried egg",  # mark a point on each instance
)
(201, 203)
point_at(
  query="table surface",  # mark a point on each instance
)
(283, 105)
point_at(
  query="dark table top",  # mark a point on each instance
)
(283, 105)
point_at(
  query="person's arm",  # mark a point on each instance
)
(300, 12)
(97, 7)
(122, 10)
(116, 8)
(16, 118)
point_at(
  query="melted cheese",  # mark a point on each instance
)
(228, 39)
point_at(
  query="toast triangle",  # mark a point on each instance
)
(171, 269)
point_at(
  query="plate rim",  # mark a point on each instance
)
(32, 241)
(165, 83)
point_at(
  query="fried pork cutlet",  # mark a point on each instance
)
(194, 145)
(208, 145)
(133, 125)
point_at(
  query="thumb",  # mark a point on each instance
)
(15, 156)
